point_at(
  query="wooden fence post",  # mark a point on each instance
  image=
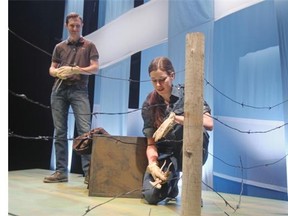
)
(193, 125)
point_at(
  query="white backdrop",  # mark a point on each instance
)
(145, 27)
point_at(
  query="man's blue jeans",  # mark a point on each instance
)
(77, 97)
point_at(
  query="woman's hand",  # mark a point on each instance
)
(165, 127)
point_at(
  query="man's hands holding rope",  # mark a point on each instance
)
(65, 72)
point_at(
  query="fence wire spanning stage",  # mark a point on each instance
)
(240, 167)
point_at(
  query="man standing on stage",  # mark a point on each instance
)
(73, 60)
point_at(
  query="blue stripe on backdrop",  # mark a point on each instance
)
(247, 68)
(227, 186)
(246, 62)
(282, 22)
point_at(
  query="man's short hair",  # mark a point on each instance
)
(73, 15)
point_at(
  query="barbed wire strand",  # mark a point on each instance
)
(243, 104)
(139, 109)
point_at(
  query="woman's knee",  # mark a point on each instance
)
(150, 198)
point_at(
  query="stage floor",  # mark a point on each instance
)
(29, 196)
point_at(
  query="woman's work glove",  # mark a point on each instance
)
(156, 172)
(160, 177)
(165, 127)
